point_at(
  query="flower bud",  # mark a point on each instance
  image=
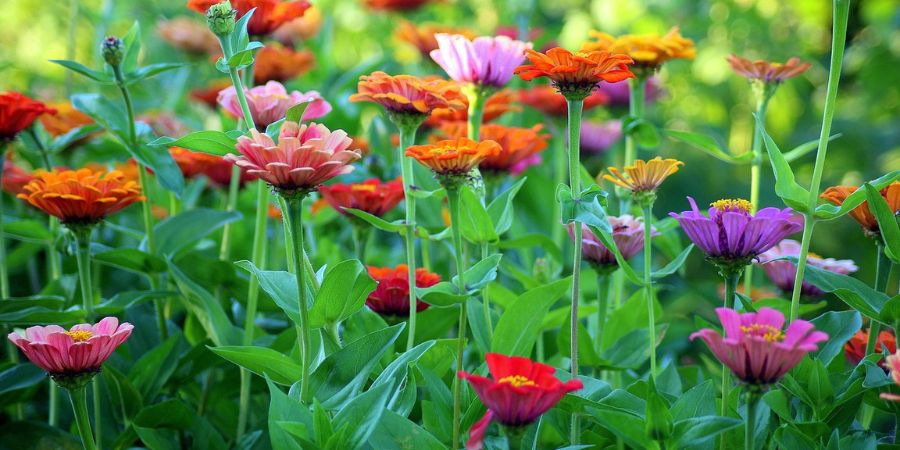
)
(220, 18)
(113, 51)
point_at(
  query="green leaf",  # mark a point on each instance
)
(475, 222)
(588, 208)
(539, 240)
(132, 44)
(395, 432)
(107, 114)
(245, 57)
(132, 259)
(151, 71)
(794, 195)
(698, 401)
(150, 373)
(674, 265)
(696, 431)
(887, 222)
(285, 408)
(68, 139)
(840, 326)
(295, 113)
(397, 371)
(362, 414)
(19, 377)
(709, 146)
(853, 292)
(281, 287)
(262, 361)
(212, 142)
(29, 231)
(827, 211)
(520, 324)
(187, 228)
(501, 208)
(659, 424)
(343, 292)
(80, 69)
(378, 222)
(205, 308)
(177, 415)
(477, 277)
(805, 148)
(644, 133)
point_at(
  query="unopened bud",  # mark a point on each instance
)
(220, 18)
(113, 51)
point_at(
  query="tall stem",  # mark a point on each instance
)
(360, 234)
(477, 98)
(486, 302)
(295, 210)
(882, 272)
(731, 283)
(574, 152)
(83, 260)
(560, 160)
(636, 88)
(78, 397)
(408, 139)
(602, 307)
(453, 200)
(4, 274)
(762, 103)
(648, 285)
(234, 185)
(750, 421)
(839, 36)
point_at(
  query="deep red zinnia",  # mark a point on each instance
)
(18, 112)
(373, 196)
(391, 296)
(517, 393)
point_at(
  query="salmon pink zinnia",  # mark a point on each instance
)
(269, 103)
(373, 196)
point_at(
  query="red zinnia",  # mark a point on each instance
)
(18, 112)
(391, 296)
(855, 348)
(518, 392)
(269, 14)
(372, 196)
(14, 177)
(548, 100)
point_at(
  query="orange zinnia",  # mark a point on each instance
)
(644, 176)
(80, 197)
(66, 119)
(189, 36)
(300, 29)
(422, 36)
(575, 75)
(765, 71)
(495, 106)
(518, 146)
(373, 196)
(549, 101)
(276, 62)
(269, 14)
(862, 214)
(648, 51)
(453, 157)
(408, 95)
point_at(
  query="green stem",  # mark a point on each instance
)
(750, 421)
(477, 99)
(53, 417)
(762, 103)
(295, 210)
(636, 89)
(4, 273)
(575, 108)
(557, 231)
(98, 419)
(42, 149)
(839, 36)
(78, 398)
(83, 260)
(882, 272)
(648, 284)
(234, 185)
(453, 200)
(408, 139)
(731, 283)
(360, 234)
(602, 307)
(485, 252)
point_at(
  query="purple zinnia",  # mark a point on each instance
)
(732, 237)
(783, 273)
(619, 93)
(597, 137)
(488, 61)
(628, 234)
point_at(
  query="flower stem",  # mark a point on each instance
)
(78, 397)
(636, 89)
(234, 185)
(839, 36)
(4, 273)
(731, 283)
(295, 210)
(486, 302)
(83, 260)
(408, 139)
(360, 234)
(602, 307)
(750, 421)
(453, 200)
(477, 99)
(574, 152)
(557, 231)
(762, 104)
(648, 282)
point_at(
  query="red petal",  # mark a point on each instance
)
(476, 433)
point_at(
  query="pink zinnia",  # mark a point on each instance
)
(305, 156)
(487, 61)
(269, 103)
(628, 234)
(783, 273)
(620, 95)
(597, 137)
(893, 363)
(79, 351)
(755, 348)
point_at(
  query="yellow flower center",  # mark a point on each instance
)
(732, 204)
(80, 335)
(517, 381)
(363, 187)
(767, 332)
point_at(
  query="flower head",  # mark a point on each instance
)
(422, 37)
(783, 273)
(373, 196)
(498, 104)
(275, 62)
(756, 348)
(63, 118)
(269, 103)
(14, 177)
(391, 295)
(72, 357)
(597, 137)
(518, 391)
(453, 158)
(575, 75)
(268, 14)
(644, 176)
(188, 35)
(648, 51)
(407, 95)
(628, 234)
(18, 112)
(214, 167)
(395, 5)
(855, 348)
(485, 61)
(549, 101)
(620, 94)
(80, 197)
(305, 156)
(517, 145)
(893, 362)
(301, 29)
(731, 236)
(765, 71)
(862, 213)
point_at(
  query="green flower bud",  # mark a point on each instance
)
(113, 51)
(220, 18)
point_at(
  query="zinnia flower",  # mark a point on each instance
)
(269, 103)
(395, 5)
(620, 94)
(422, 37)
(575, 75)
(406, 95)
(855, 348)
(597, 137)
(210, 94)
(372, 196)
(214, 167)
(783, 273)
(189, 36)
(549, 101)
(628, 234)
(300, 29)
(268, 14)
(893, 362)
(517, 145)
(63, 119)
(18, 112)
(80, 197)
(14, 177)
(453, 158)
(765, 71)
(862, 214)
(498, 104)
(391, 295)
(731, 236)
(756, 349)
(648, 51)
(305, 156)
(276, 62)
(644, 176)
(517, 393)
(72, 357)
(485, 61)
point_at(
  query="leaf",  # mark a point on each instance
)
(205, 308)
(163, 166)
(212, 142)
(539, 240)
(827, 211)
(853, 292)
(186, 229)
(151, 71)
(396, 372)
(281, 287)
(709, 146)
(674, 265)
(805, 148)
(262, 361)
(295, 113)
(700, 400)
(132, 259)
(787, 189)
(29, 231)
(378, 222)
(132, 48)
(696, 431)
(20, 376)
(520, 324)
(362, 414)
(244, 58)
(74, 135)
(644, 133)
(80, 69)
(175, 414)
(588, 208)
(104, 112)
(501, 208)
(284, 408)
(840, 326)
(475, 222)
(150, 373)
(395, 432)
(477, 277)
(343, 292)
(887, 222)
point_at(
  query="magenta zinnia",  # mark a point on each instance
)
(783, 273)
(628, 234)
(269, 103)
(486, 61)
(756, 348)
